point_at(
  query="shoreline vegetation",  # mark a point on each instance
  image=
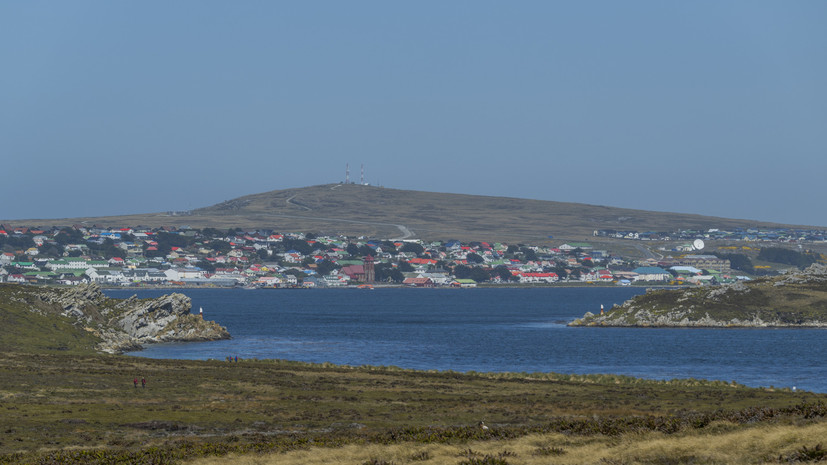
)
(64, 402)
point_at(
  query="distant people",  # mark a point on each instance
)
(143, 382)
(135, 381)
(236, 359)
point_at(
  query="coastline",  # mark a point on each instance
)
(401, 286)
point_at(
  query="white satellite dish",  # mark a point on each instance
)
(698, 244)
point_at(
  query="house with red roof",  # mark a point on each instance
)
(528, 278)
(418, 282)
(354, 272)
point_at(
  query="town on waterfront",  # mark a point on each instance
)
(187, 257)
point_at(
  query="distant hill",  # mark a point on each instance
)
(372, 211)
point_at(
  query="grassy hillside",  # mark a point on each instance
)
(374, 211)
(42, 330)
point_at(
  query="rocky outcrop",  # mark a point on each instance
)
(795, 300)
(127, 324)
(815, 274)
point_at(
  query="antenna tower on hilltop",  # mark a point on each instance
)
(362, 176)
(347, 173)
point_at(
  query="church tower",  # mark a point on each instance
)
(370, 275)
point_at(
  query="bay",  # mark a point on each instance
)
(488, 330)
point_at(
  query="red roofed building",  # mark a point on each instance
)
(418, 282)
(536, 277)
(354, 272)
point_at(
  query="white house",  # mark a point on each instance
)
(105, 276)
(70, 263)
(180, 274)
(528, 277)
(439, 279)
(16, 278)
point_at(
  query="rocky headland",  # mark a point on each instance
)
(119, 325)
(797, 299)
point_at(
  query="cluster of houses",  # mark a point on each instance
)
(737, 234)
(265, 259)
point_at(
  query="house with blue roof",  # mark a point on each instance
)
(652, 273)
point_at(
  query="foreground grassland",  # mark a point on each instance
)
(76, 408)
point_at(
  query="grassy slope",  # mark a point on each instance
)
(47, 331)
(346, 209)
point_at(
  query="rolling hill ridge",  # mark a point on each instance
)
(363, 210)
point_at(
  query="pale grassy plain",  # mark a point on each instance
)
(720, 443)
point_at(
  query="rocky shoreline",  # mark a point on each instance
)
(795, 300)
(127, 324)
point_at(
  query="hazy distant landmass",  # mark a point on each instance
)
(364, 210)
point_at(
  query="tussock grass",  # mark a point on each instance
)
(752, 445)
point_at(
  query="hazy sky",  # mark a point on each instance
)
(709, 107)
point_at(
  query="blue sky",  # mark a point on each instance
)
(708, 107)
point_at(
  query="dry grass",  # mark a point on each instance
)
(719, 444)
(81, 409)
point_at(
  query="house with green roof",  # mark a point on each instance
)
(24, 265)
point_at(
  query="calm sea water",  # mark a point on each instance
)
(494, 330)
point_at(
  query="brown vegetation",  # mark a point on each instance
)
(63, 408)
